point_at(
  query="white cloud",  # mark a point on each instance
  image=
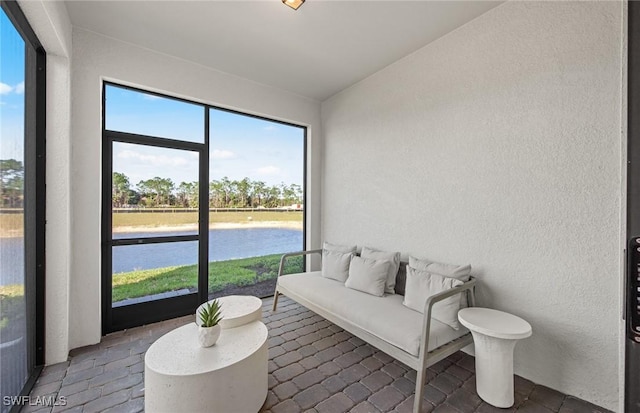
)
(270, 128)
(5, 89)
(269, 170)
(222, 154)
(154, 160)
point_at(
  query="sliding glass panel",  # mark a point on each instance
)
(13, 311)
(256, 201)
(154, 191)
(141, 113)
(154, 271)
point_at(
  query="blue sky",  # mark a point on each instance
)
(11, 91)
(240, 146)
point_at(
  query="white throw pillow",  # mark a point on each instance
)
(422, 285)
(367, 275)
(459, 272)
(327, 246)
(335, 265)
(394, 263)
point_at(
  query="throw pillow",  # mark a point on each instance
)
(394, 263)
(327, 246)
(422, 285)
(459, 272)
(335, 265)
(368, 276)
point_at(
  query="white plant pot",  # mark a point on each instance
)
(208, 335)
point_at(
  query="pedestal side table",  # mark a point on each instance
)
(495, 334)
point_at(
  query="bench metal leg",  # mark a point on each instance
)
(421, 377)
(275, 299)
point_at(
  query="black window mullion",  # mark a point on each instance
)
(107, 223)
(30, 200)
(41, 200)
(304, 197)
(203, 217)
(152, 141)
(154, 240)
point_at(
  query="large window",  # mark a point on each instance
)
(22, 76)
(256, 199)
(198, 202)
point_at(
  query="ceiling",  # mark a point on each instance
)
(316, 51)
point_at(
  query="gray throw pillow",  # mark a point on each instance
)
(394, 263)
(421, 285)
(368, 276)
(335, 265)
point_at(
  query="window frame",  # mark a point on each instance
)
(183, 305)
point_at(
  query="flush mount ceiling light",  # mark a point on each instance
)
(294, 4)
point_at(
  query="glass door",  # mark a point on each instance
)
(13, 309)
(155, 246)
(22, 200)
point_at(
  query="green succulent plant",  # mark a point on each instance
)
(210, 314)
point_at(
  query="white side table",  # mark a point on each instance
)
(230, 376)
(495, 334)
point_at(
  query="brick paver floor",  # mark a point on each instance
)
(314, 366)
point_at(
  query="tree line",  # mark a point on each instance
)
(12, 183)
(223, 193)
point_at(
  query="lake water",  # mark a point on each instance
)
(11, 261)
(224, 244)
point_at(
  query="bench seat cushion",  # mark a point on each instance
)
(385, 317)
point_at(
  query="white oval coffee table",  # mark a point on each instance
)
(231, 376)
(495, 334)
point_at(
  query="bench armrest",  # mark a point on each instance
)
(295, 254)
(428, 307)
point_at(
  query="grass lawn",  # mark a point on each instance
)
(156, 219)
(12, 312)
(238, 272)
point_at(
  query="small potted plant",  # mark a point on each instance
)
(209, 329)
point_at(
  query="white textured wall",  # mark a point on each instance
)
(499, 145)
(95, 58)
(51, 24)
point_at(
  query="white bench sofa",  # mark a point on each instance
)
(416, 339)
